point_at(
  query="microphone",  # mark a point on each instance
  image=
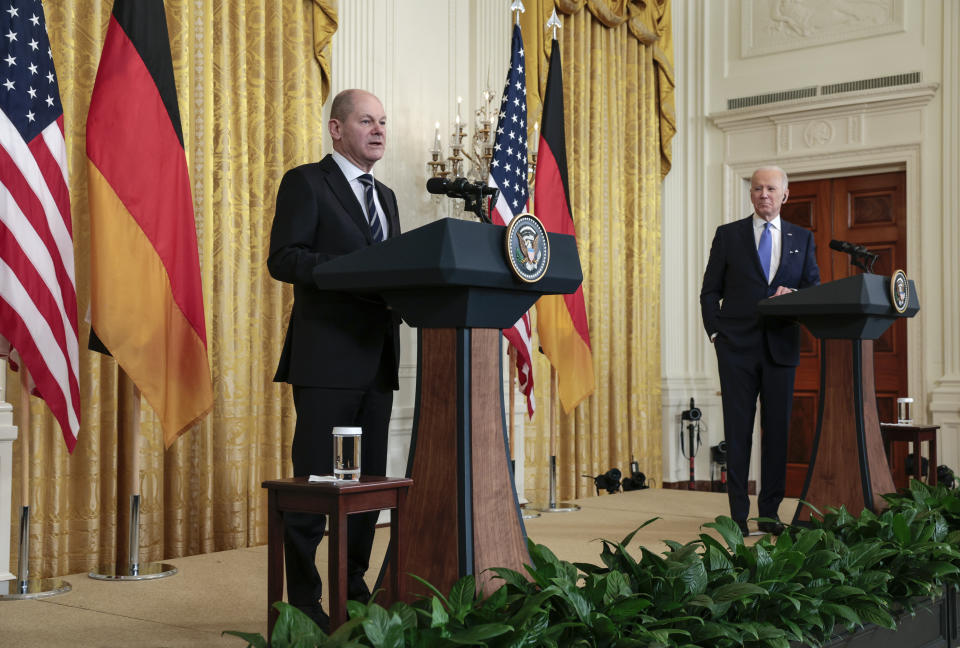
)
(859, 255)
(459, 188)
(849, 248)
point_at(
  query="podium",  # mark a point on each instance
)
(848, 465)
(451, 280)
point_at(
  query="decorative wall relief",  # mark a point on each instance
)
(818, 133)
(778, 25)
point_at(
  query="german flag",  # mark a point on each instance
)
(145, 294)
(561, 319)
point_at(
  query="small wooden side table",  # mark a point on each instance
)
(900, 433)
(336, 500)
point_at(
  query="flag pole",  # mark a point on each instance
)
(525, 510)
(554, 506)
(127, 565)
(512, 358)
(26, 587)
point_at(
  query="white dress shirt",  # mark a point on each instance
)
(776, 239)
(352, 173)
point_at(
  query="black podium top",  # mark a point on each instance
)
(857, 307)
(451, 273)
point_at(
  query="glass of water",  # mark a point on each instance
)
(346, 452)
(904, 405)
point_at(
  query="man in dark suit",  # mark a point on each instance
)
(342, 351)
(751, 259)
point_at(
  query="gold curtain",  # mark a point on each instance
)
(619, 119)
(250, 92)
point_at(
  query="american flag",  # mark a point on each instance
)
(508, 173)
(38, 295)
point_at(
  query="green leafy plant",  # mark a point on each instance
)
(840, 573)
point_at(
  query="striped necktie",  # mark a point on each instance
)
(376, 230)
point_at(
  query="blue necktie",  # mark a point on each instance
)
(763, 250)
(373, 220)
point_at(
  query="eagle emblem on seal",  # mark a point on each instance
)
(527, 248)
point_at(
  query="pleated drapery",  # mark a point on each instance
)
(250, 86)
(618, 105)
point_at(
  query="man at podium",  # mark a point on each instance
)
(751, 259)
(341, 351)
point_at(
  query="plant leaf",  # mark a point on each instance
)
(253, 639)
(736, 592)
(479, 633)
(438, 615)
(461, 597)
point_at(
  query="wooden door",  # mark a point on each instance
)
(868, 210)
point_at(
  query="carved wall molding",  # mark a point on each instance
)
(768, 26)
(846, 104)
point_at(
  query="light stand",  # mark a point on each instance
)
(692, 416)
(718, 455)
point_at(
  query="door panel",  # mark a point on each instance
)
(868, 210)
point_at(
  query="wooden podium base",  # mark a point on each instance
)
(462, 509)
(848, 466)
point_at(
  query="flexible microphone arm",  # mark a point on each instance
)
(472, 194)
(860, 256)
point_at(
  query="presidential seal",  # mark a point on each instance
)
(527, 247)
(899, 291)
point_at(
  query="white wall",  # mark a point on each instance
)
(739, 48)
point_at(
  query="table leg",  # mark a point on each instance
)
(274, 560)
(918, 460)
(398, 537)
(337, 569)
(933, 460)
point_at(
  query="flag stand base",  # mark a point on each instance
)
(34, 588)
(134, 571)
(555, 506)
(25, 587)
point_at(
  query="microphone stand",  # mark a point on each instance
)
(473, 202)
(864, 261)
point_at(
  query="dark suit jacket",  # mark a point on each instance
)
(334, 339)
(733, 283)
